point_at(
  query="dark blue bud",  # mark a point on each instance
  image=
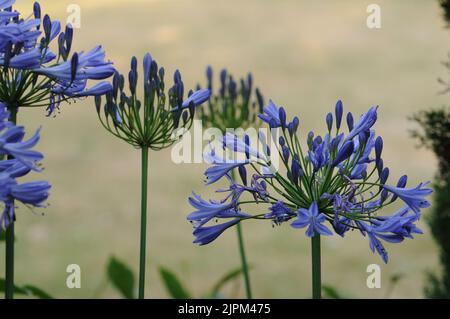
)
(209, 76)
(296, 122)
(296, 171)
(329, 120)
(47, 27)
(147, 64)
(74, 66)
(345, 152)
(384, 195)
(247, 149)
(285, 151)
(177, 77)
(68, 37)
(291, 129)
(282, 115)
(378, 148)
(384, 176)
(132, 79)
(133, 64)
(338, 112)
(281, 141)
(310, 139)
(350, 121)
(37, 10)
(260, 99)
(402, 181)
(223, 78)
(380, 166)
(98, 102)
(249, 81)
(243, 174)
(61, 48)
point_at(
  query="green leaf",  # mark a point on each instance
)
(36, 292)
(27, 290)
(233, 274)
(331, 292)
(173, 285)
(121, 277)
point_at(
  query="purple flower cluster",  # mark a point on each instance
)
(21, 160)
(336, 181)
(33, 75)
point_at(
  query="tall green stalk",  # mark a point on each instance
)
(144, 177)
(316, 272)
(244, 265)
(9, 240)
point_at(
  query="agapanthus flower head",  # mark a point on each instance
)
(233, 104)
(152, 117)
(335, 181)
(33, 75)
(21, 160)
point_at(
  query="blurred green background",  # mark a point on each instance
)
(304, 55)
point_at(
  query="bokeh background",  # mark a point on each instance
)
(304, 55)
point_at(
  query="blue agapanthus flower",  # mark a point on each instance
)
(33, 75)
(335, 181)
(22, 160)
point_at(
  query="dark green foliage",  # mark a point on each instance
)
(173, 285)
(445, 5)
(121, 277)
(435, 134)
(27, 290)
(176, 289)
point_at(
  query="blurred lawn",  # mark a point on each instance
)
(305, 55)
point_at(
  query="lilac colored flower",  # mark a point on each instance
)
(11, 143)
(413, 197)
(25, 47)
(197, 98)
(272, 115)
(313, 219)
(206, 234)
(366, 121)
(207, 210)
(280, 213)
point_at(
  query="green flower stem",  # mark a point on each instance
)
(244, 265)
(248, 289)
(9, 241)
(144, 176)
(316, 273)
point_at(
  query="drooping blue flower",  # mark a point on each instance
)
(11, 143)
(207, 210)
(413, 197)
(312, 219)
(206, 234)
